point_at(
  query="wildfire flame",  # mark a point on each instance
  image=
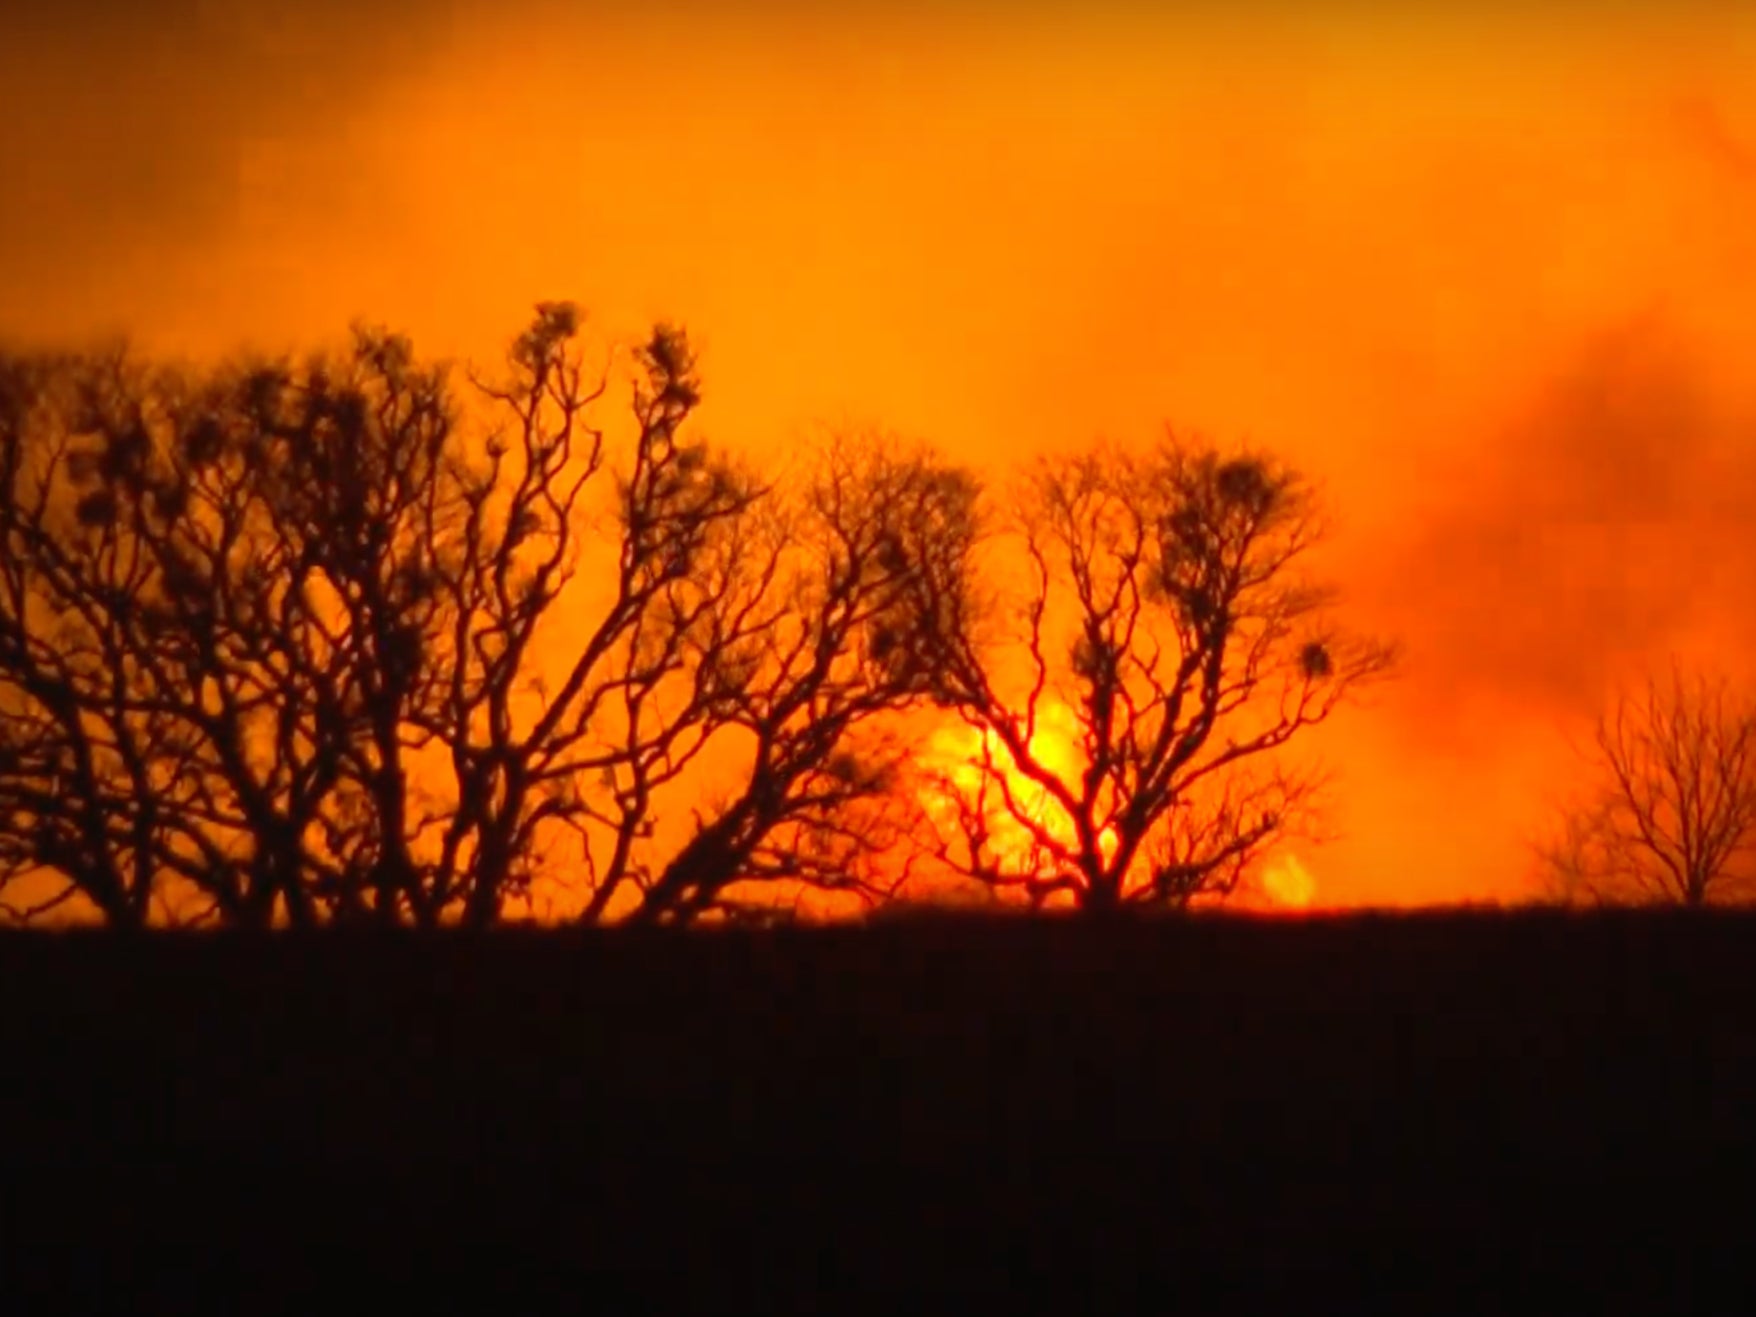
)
(1288, 884)
(960, 752)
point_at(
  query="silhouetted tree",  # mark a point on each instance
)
(836, 612)
(229, 558)
(1168, 618)
(733, 613)
(322, 640)
(527, 748)
(93, 787)
(1670, 817)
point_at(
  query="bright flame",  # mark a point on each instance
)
(957, 754)
(963, 752)
(1289, 884)
(960, 753)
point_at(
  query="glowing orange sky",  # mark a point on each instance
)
(1491, 278)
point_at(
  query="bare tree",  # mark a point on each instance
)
(1670, 817)
(93, 793)
(337, 474)
(529, 750)
(208, 599)
(324, 641)
(300, 579)
(838, 614)
(778, 623)
(1167, 619)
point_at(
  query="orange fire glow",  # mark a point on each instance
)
(1288, 884)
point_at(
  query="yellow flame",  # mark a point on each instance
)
(960, 752)
(1289, 884)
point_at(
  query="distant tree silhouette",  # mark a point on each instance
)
(837, 611)
(737, 612)
(525, 748)
(92, 755)
(1167, 611)
(326, 641)
(1670, 817)
(229, 559)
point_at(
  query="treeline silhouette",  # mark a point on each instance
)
(348, 639)
(1667, 812)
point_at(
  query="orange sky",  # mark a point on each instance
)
(1492, 278)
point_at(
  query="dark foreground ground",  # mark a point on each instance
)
(1425, 1109)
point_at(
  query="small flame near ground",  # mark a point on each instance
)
(1288, 884)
